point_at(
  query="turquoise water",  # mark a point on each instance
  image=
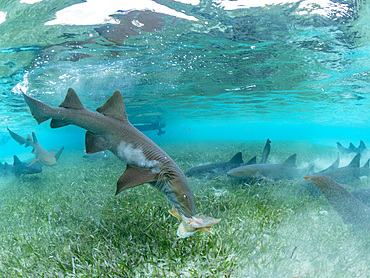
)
(223, 76)
(290, 71)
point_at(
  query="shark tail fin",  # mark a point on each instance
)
(39, 110)
(21, 140)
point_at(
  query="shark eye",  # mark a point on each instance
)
(185, 196)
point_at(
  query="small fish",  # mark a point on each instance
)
(191, 225)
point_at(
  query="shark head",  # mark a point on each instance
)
(180, 196)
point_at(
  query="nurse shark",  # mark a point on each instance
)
(110, 129)
(285, 170)
(41, 155)
(351, 209)
(351, 148)
(346, 174)
(219, 168)
(19, 168)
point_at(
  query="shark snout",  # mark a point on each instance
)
(181, 197)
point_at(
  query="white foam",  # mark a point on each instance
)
(2, 16)
(29, 1)
(322, 7)
(93, 12)
(135, 156)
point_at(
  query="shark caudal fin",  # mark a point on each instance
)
(21, 140)
(39, 110)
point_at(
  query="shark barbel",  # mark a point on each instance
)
(110, 129)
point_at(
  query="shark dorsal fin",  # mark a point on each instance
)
(72, 101)
(237, 158)
(57, 155)
(351, 146)
(253, 160)
(355, 163)
(362, 145)
(134, 176)
(367, 164)
(17, 161)
(290, 161)
(114, 107)
(335, 165)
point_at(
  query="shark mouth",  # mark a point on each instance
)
(189, 226)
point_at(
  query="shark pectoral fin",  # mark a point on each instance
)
(33, 162)
(94, 143)
(59, 153)
(134, 176)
